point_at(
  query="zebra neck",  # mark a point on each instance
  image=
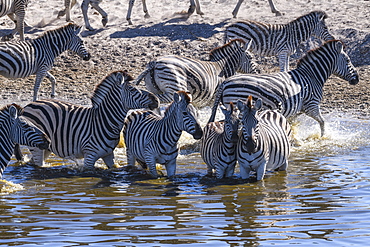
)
(300, 30)
(227, 65)
(48, 46)
(111, 118)
(171, 122)
(312, 73)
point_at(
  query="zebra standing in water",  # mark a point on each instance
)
(16, 11)
(84, 7)
(152, 139)
(264, 141)
(296, 91)
(280, 40)
(21, 59)
(272, 6)
(194, 5)
(89, 132)
(218, 144)
(14, 128)
(169, 74)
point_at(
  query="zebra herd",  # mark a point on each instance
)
(255, 132)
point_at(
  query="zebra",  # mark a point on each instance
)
(15, 128)
(84, 7)
(24, 58)
(264, 140)
(194, 5)
(272, 6)
(169, 74)
(89, 132)
(16, 11)
(280, 40)
(151, 138)
(297, 91)
(218, 144)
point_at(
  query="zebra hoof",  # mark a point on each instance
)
(53, 96)
(104, 21)
(90, 28)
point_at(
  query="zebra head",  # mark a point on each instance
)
(187, 116)
(24, 132)
(343, 67)
(321, 30)
(231, 122)
(250, 128)
(76, 43)
(246, 63)
(133, 97)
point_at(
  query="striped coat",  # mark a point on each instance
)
(264, 140)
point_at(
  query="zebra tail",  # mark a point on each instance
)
(150, 67)
(218, 97)
(17, 152)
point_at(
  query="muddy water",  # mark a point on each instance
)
(323, 199)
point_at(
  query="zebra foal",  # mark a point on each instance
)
(169, 74)
(264, 141)
(218, 143)
(25, 58)
(16, 129)
(280, 40)
(152, 139)
(89, 132)
(296, 91)
(16, 11)
(194, 5)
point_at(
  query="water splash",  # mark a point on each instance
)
(7, 187)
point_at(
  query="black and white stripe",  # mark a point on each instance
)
(89, 132)
(194, 5)
(264, 140)
(16, 10)
(280, 40)
(297, 91)
(152, 139)
(15, 129)
(169, 74)
(24, 58)
(218, 144)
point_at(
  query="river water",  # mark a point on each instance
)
(321, 200)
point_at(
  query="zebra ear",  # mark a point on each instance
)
(13, 112)
(248, 45)
(258, 104)
(240, 105)
(78, 29)
(339, 46)
(176, 97)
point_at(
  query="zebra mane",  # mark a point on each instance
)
(317, 13)
(69, 27)
(314, 51)
(18, 107)
(225, 46)
(105, 87)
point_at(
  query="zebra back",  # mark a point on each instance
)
(15, 129)
(218, 144)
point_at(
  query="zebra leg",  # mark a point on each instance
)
(230, 170)
(171, 168)
(52, 81)
(38, 156)
(85, 7)
(274, 9)
(89, 161)
(95, 5)
(261, 171)
(130, 6)
(245, 170)
(145, 9)
(194, 5)
(20, 13)
(39, 76)
(284, 61)
(315, 113)
(109, 160)
(197, 7)
(237, 7)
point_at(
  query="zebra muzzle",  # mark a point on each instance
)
(251, 145)
(86, 57)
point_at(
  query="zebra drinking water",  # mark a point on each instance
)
(297, 91)
(280, 40)
(264, 141)
(218, 144)
(152, 139)
(89, 132)
(16, 10)
(194, 5)
(24, 58)
(14, 128)
(169, 74)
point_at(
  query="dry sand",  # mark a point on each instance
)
(119, 46)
